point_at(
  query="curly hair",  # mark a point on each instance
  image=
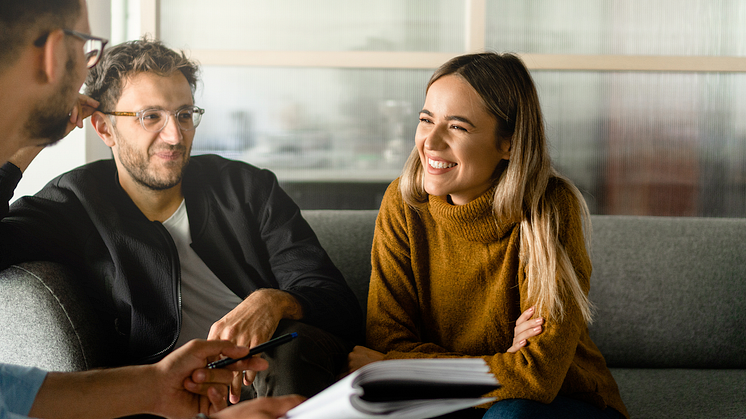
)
(105, 81)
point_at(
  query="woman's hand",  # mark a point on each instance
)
(525, 327)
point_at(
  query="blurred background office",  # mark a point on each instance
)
(644, 100)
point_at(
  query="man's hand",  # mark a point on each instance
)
(185, 387)
(360, 357)
(83, 108)
(261, 408)
(525, 327)
(179, 386)
(252, 322)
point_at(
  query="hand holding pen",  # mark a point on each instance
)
(255, 350)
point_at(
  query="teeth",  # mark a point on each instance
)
(439, 164)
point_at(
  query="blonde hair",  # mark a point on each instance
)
(508, 92)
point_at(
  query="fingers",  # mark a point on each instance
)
(88, 102)
(528, 329)
(203, 350)
(525, 328)
(525, 316)
(236, 387)
(207, 376)
(261, 408)
(254, 363)
(218, 399)
(248, 377)
(82, 109)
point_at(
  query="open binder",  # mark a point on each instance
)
(405, 389)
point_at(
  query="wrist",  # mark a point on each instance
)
(283, 304)
(151, 386)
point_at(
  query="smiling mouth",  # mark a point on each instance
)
(440, 164)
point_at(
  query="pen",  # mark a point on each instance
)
(255, 350)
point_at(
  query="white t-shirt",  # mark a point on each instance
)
(204, 298)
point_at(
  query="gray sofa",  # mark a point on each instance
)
(670, 295)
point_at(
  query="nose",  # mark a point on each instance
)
(171, 133)
(434, 139)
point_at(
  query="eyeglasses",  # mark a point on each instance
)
(154, 120)
(93, 48)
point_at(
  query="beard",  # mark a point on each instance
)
(49, 118)
(137, 164)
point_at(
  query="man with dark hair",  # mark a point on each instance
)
(173, 247)
(21, 21)
(41, 70)
(45, 48)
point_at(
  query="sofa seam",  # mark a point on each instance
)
(67, 315)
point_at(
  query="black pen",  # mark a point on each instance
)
(255, 350)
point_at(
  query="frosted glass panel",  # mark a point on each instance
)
(650, 143)
(635, 27)
(635, 143)
(308, 124)
(318, 25)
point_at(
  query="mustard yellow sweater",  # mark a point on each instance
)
(446, 282)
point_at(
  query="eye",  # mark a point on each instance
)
(151, 116)
(459, 128)
(424, 120)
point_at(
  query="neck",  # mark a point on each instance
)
(155, 205)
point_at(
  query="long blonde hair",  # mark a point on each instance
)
(508, 92)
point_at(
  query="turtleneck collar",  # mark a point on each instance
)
(475, 221)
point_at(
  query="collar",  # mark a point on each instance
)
(474, 221)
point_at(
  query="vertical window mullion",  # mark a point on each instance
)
(476, 25)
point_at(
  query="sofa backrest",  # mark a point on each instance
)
(46, 320)
(669, 292)
(347, 236)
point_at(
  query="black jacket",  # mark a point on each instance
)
(244, 227)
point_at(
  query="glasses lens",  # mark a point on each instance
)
(92, 49)
(154, 120)
(189, 118)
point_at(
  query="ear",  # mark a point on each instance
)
(104, 128)
(54, 57)
(505, 145)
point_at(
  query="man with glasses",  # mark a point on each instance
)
(45, 50)
(175, 247)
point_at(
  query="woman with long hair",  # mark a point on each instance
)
(478, 229)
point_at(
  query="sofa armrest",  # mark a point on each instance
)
(47, 320)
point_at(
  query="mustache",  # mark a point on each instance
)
(180, 148)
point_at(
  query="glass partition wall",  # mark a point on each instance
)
(644, 101)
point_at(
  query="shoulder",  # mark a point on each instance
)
(215, 171)
(564, 196)
(393, 204)
(395, 216)
(217, 180)
(221, 166)
(96, 179)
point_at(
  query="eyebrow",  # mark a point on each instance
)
(450, 117)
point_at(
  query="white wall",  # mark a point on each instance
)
(82, 145)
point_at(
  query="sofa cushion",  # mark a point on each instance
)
(682, 393)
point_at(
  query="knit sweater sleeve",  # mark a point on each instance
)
(537, 371)
(393, 317)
